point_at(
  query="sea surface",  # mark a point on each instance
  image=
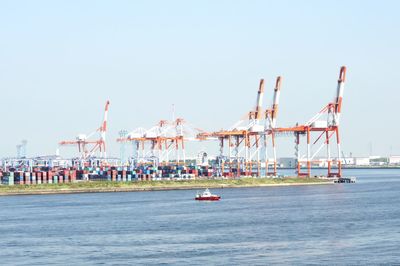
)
(325, 224)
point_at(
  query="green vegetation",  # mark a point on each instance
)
(103, 186)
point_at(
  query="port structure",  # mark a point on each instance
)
(21, 149)
(162, 144)
(88, 147)
(325, 124)
(244, 147)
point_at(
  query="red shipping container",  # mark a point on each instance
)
(73, 176)
(27, 178)
(50, 177)
(44, 179)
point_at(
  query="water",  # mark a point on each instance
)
(328, 224)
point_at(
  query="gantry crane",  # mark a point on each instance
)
(326, 122)
(88, 147)
(248, 138)
(163, 143)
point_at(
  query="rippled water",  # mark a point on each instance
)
(327, 224)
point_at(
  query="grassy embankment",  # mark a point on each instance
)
(103, 186)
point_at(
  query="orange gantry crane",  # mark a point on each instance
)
(246, 142)
(88, 147)
(326, 124)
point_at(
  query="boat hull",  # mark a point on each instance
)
(212, 198)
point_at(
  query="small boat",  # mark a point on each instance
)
(206, 195)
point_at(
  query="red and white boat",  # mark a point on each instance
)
(206, 195)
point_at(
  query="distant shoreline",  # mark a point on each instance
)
(107, 187)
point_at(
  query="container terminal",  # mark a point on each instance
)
(246, 149)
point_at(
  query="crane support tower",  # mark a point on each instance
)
(270, 124)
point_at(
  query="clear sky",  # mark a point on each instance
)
(61, 60)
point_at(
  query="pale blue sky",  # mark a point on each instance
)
(61, 60)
